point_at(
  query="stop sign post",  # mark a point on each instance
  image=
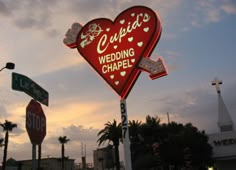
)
(35, 122)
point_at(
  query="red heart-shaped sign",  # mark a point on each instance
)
(114, 49)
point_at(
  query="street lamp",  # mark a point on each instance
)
(9, 66)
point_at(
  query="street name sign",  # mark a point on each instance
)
(23, 83)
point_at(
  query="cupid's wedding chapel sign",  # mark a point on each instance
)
(118, 51)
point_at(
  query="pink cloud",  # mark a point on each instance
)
(229, 8)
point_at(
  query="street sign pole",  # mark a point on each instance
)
(39, 155)
(125, 134)
(34, 157)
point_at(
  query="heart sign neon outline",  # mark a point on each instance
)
(115, 48)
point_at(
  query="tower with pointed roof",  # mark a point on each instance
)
(225, 122)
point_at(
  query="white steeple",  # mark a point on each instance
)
(225, 122)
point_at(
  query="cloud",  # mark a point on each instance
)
(28, 14)
(215, 10)
(198, 106)
(229, 7)
(92, 9)
(4, 9)
(40, 15)
(18, 131)
(32, 21)
(78, 136)
(62, 82)
(3, 111)
(213, 15)
(81, 134)
(202, 13)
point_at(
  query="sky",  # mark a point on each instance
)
(198, 43)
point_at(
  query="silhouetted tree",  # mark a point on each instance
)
(136, 140)
(141, 144)
(112, 133)
(1, 142)
(151, 129)
(155, 145)
(172, 140)
(134, 127)
(7, 127)
(63, 140)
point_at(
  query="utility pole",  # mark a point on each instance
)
(168, 118)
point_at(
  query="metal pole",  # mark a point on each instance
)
(168, 117)
(39, 156)
(2, 68)
(34, 163)
(125, 134)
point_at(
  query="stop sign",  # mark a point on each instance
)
(35, 122)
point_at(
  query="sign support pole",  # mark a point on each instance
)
(39, 156)
(125, 134)
(34, 157)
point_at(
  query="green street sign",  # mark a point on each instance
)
(23, 83)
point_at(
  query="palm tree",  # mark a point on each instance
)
(7, 127)
(151, 129)
(112, 133)
(134, 128)
(136, 139)
(63, 140)
(153, 121)
(1, 142)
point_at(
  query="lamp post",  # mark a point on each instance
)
(9, 66)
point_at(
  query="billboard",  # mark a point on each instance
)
(116, 49)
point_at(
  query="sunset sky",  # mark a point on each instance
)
(198, 43)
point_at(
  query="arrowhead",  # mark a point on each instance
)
(156, 69)
(160, 70)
